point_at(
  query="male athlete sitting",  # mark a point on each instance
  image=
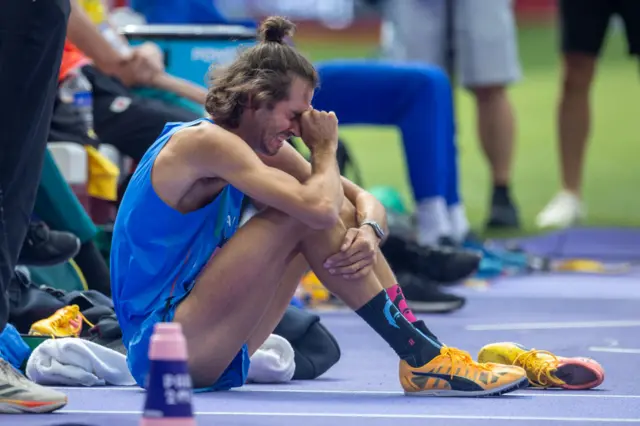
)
(178, 254)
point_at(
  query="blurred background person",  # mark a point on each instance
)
(583, 27)
(486, 57)
(31, 43)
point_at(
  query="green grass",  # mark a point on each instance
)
(612, 176)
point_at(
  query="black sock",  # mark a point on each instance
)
(408, 342)
(422, 327)
(501, 195)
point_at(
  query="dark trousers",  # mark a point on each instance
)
(32, 34)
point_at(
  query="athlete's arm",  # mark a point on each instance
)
(289, 160)
(215, 152)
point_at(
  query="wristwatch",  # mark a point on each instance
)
(376, 228)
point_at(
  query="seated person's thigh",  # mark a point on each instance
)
(233, 376)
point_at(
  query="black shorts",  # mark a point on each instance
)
(584, 24)
(122, 119)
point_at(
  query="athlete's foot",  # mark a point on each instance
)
(455, 373)
(544, 369)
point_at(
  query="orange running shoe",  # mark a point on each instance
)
(65, 322)
(455, 373)
(544, 369)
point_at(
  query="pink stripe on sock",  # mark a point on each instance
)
(397, 297)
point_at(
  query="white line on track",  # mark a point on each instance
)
(552, 325)
(533, 393)
(383, 416)
(614, 349)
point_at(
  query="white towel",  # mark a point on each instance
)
(273, 362)
(77, 362)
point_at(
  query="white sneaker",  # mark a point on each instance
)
(564, 210)
(20, 395)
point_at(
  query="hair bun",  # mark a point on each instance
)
(275, 28)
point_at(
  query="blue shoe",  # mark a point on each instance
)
(498, 261)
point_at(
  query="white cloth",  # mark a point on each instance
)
(273, 362)
(77, 362)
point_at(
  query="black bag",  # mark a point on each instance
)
(29, 303)
(316, 350)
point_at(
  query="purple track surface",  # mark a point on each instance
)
(595, 316)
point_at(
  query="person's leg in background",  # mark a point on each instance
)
(32, 36)
(416, 30)
(584, 25)
(488, 59)
(402, 95)
(31, 41)
(460, 227)
(408, 96)
(60, 209)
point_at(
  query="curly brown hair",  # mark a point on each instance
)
(263, 71)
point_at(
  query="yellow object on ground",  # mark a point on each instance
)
(545, 369)
(65, 322)
(315, 292)
(580, 265)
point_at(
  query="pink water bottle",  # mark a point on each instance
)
(169, 388)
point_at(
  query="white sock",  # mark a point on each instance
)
(433, 221)
(459, 223)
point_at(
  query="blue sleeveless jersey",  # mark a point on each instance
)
(157, 252)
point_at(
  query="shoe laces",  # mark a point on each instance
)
(64, 316)
(460, 357)
(541, 367)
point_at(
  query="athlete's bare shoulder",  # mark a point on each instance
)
(207, 149)
(185, 170)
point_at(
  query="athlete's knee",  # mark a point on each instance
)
(298, 229)
(490, 93)
(290, 226)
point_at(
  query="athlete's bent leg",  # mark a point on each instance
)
(236, 290)
(426, 366)
(295, 270)
(385, 275)
(281, 300)
(235, 297)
